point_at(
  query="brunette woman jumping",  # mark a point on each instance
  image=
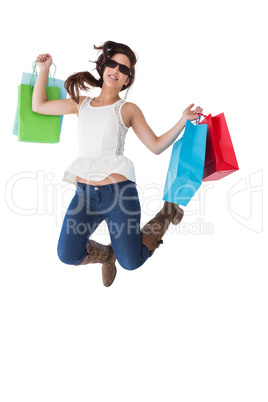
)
(104, 178)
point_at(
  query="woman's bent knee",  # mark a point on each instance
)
(66, 257)
(130, 265)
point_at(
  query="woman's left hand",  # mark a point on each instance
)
(192, 114)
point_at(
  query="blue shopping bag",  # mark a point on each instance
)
(30, 79)
(185, 171)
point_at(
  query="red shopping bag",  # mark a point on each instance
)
(220, 157)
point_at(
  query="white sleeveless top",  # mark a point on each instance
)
(101, 139)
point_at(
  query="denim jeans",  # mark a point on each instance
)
(118, 204)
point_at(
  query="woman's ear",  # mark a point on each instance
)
(127, 81)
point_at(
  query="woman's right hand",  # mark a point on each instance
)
(44, 61)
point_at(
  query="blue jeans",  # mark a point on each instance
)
(118, 204)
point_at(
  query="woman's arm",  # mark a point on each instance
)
(158, 144)
(40, 104)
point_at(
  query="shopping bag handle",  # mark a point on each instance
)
(35, 72)
(33, 66)
(199, 117)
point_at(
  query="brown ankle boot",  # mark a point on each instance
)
(99, 253)
(154, 230)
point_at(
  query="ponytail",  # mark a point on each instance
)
(79, 81)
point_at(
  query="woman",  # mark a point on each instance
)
(105, 178)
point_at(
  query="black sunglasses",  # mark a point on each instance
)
(122, 67)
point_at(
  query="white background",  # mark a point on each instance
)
(191, 323)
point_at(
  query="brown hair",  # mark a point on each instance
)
(108, 49)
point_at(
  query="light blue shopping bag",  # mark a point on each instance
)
(185, 171)
(30, 79)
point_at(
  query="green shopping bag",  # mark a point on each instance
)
(35, 127)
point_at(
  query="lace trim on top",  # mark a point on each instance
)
(122, 129)
(84, 103)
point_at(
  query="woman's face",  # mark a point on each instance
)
(113, 77)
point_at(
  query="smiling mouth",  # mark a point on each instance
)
(113, 77)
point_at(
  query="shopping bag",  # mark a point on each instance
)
(220, 158)
(35, 127)
(52, 82)
(185, 171)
